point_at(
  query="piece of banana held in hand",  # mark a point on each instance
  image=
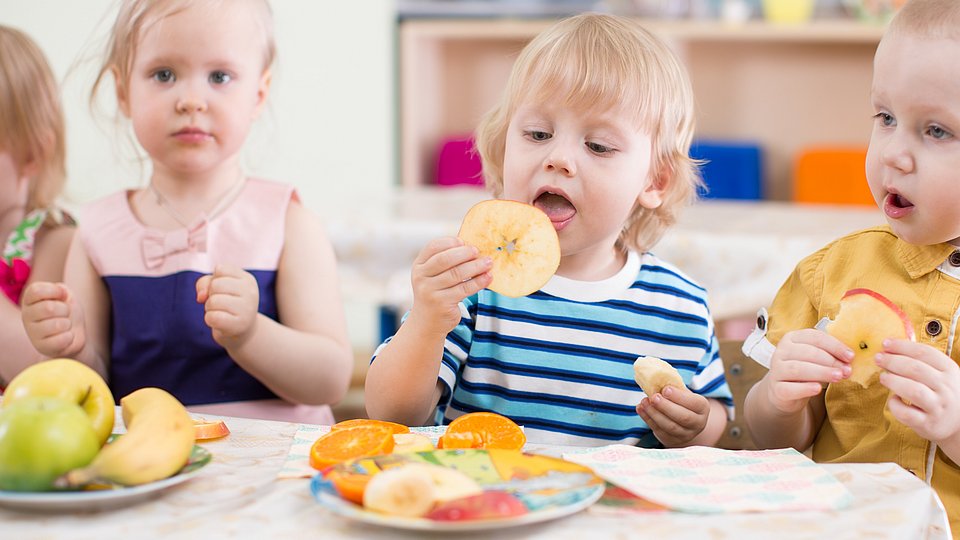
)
(412, 490)
(158, 442)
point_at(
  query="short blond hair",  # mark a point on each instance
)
(31, 115)
(596, 61)
(928, 18)
(137, 16)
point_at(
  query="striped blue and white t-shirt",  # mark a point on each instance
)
(559, 362)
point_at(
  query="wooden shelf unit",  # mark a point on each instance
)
(782, 86)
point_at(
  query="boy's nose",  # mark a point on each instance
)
(561, 163)
(896, 154)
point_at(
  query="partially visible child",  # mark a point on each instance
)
(912, 169)
(219, 288)
(594, 129)
(34, 232)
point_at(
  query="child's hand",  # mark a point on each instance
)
(676, 416)
(52, 319)
(803, 361)
(230, 298)
(929, 380)
(445, 272)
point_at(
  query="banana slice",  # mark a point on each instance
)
(411, 442)
(652, 374)
(401, 491)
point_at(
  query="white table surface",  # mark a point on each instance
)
(741, 251)
(239, 496)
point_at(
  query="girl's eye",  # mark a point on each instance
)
(885, 119)
(938, 132)
(219, 77)
(599, 148)
(539, 135)
(163, 75)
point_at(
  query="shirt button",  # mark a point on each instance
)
(933, 328)
(955, 258)
(761, 322)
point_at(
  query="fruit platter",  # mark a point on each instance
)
(58, 449)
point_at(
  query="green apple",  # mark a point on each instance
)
(42, 438)
(70, 380)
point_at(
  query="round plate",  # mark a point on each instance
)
(547, 487)
(103, 496)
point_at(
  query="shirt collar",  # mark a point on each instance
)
(921, 260)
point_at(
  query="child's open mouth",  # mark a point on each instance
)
(896, 205)
(557, 208)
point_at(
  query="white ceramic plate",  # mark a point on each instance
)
(102, 499)
(555, 490)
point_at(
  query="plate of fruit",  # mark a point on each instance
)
(475, 478)
(58, 450)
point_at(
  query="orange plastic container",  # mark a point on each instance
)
(833, 175)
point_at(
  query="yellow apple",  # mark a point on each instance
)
(69, 380)
(865, 319)
(519, 238)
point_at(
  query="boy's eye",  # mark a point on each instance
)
(163, 75)
(219, 77)
(539, 135)
(885, 119)
(938, 132)
(599, 148)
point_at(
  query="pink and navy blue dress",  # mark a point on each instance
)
(157, 333)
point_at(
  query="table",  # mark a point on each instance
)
(741, 251)
(238, 496)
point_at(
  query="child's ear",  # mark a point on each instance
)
(123, 101)
(263, 91)
(652, 196)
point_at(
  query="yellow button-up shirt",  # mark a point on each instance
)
(925, 282)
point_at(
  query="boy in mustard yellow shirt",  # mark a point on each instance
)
(912, 417)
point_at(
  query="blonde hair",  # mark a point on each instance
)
(137, 16)
(928, 18)
(31, 117)
(595, 61)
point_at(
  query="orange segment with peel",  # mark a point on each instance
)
(359, 422)
(483, 430)
(349, 443)
(205, 430)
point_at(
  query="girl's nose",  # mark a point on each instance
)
(191, 104)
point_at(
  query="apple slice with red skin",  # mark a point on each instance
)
(865, 319)
(205, 430)
(486, 505)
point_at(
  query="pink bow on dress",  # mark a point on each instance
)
(13, 277)
(158, 245)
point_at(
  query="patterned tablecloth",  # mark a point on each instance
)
(741, 251)
(239, 495)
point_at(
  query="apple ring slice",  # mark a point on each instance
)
(519, 238)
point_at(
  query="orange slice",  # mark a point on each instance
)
(204, 430)
(397, 428)
(483, 430)
(349, 443)
(350, 485)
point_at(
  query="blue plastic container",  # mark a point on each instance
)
(733, 170)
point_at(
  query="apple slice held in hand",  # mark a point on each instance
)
(865, 319)
(519, 238)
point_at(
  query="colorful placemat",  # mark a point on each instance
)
(711, 480)
(297, 463)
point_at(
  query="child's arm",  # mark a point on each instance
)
(402, 382)
(49, 256)
(306, 357)
(930, 381)
(786, 407)
(70, 319)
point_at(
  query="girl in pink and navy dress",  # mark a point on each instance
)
(219, 288)
(34, 234)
